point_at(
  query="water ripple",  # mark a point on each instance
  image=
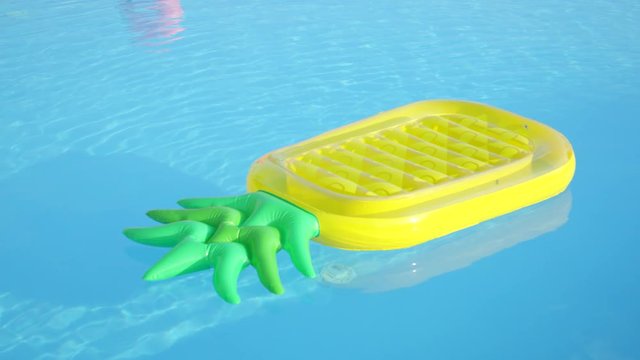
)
(270, 77)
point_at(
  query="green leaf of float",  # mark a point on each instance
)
(245, 203)
(296, 244)
(213, 216)
(170, 234)
(187, 257)
(262, 243)
(228, 262)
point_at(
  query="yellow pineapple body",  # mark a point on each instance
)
(417, 172)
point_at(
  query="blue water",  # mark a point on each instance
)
(111, 108)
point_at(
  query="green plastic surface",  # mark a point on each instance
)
(227, 234)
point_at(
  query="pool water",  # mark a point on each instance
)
(109, 109)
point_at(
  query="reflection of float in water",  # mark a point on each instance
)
(389, 270)
(155, 22)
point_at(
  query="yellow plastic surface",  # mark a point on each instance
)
(417, 172)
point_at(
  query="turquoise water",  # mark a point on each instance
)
(108, 109)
